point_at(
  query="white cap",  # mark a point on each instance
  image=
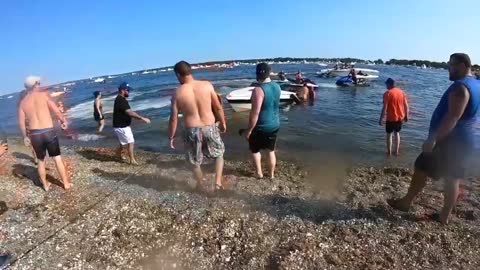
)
(31, 82)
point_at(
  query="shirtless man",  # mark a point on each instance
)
(35, 109)
(200, 106)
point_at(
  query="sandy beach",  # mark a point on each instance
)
(150, 217)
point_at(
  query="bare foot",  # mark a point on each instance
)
(47, 186)
(399, 204)
(68, 186)
(258, 176)
(134, 163)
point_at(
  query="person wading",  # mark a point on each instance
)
(264, 120)
(447, 151)
(201, 107)
(34, 113)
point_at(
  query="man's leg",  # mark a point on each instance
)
(450, 199)
(119, 152)
(257, 161)
(62, 172)
(131, 154)
(43, 175)
(389, 144)
(198, 175)
(419, 181)
(219, 162)
(397, 145)
(101, 125)
(272, 163)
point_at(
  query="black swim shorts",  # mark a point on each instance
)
(449, 160)
(393, 126)
(44, 140)
(261, 140)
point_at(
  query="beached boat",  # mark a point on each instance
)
(240, 99)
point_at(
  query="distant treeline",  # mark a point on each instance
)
(403, 62)
(293, 59)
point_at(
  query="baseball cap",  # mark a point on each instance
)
(31, 81)
(124, 86)
(263, 71)
(390, 81)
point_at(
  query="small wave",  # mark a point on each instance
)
(89, 137)
(327, 85)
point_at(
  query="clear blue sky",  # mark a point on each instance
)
(67, 40)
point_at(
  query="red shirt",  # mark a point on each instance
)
(395, 102)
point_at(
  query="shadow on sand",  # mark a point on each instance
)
(315, 210)
(103, 156)
(31, 173)
(23, 156)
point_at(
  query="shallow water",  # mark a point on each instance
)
(340, 129)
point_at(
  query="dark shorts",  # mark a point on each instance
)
(44, 140)
(261, 140)
(448, 160)
(203, 141)
(98, 118)
(393, 126)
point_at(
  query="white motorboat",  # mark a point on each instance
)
(345, 71)
(99, 80)
(240, 99)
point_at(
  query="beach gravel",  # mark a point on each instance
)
(151, 217)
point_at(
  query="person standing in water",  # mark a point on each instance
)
(395, 108)
(35, 109)
(201, 107)
(98, 111)
(448, 150)
(122, 119)
(264, 120)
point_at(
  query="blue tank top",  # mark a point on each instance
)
(269, 118)
(465, 130)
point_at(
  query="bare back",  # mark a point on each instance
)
(35, 107)
(194, 100)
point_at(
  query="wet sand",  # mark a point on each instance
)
(150, 217)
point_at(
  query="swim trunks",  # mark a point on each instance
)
(44, 140)
(262, 140)
(203, 141)
(124, 135)
(393, 126)
(449, 159)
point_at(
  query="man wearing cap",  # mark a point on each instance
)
(264, 121)
(447, 152)
(34, 109)
(122, 119)
(395, 109)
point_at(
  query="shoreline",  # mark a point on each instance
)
(123, 217)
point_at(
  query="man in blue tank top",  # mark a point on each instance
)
(448, 149)
(264, 121)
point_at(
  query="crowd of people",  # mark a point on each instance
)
(446, 153)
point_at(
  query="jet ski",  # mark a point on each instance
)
(347, 81)
(240, 99)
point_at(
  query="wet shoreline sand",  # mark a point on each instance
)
(149, 217)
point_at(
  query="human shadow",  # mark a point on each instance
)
(23, 156)
(31, 173)
(97, 155)
(168, 164)
(152, 181)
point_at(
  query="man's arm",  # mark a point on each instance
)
(407, 108)
(384, 110)
(21, 122)
(257, 101)
(137, 116)
(98, 105)
(218, 111)
(173, 122)
(54, 108)
(458, 101)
